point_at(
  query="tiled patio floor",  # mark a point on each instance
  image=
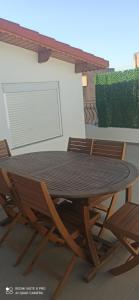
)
(51, 265)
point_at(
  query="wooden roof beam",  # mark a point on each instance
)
(44, 54)
(81, 66)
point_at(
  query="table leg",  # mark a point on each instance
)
(128, 196)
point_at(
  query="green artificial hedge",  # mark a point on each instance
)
(117, 99)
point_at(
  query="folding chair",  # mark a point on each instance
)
(10, 202)
(109, 149)
(5, 201)
(60, 226)
(4, 149)
(124, 224)
(79, 145)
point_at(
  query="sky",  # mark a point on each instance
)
(106, 28)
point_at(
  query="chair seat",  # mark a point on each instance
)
(125, 221)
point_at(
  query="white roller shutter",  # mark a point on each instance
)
(33, 112)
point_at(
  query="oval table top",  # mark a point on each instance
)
(73, 175)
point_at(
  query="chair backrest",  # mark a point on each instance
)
(5, 184)
(30, 193)
(80, 145)
(111, 149)
(4, 149)
(34, 197)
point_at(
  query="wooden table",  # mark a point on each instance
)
(76, 176)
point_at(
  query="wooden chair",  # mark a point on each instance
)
(6, 196)
(109, 149)
(7, 199)
(4, 149)
(60, 226)
(124, 224)
(5, 152)
(10, 203)
(80, 145)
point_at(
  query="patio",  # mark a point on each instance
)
(103, 286)
(48, 65)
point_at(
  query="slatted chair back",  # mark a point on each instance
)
(111, 149)
(5, 184)
(29, 192)
(34, 197)
(80, 145)
(4, 149)
(10, 203)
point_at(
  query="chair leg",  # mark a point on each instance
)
(39, 251)
(10, 227)
(127, 266)
(8, 209)
(109, 213)
(94, 269)
(128, 195)
(22, 254)
(129, 246)
(89, 237)
(65, 277)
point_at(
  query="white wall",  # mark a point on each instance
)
(20, 65)
(114, 134)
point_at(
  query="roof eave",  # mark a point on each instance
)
(58, 49)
